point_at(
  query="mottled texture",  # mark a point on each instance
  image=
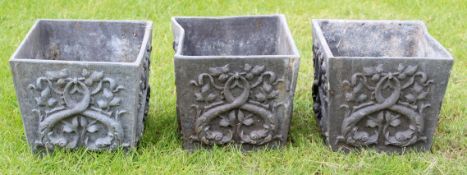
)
(83, 83)
(378, 83)
(235, 79)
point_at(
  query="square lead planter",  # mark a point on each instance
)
(235, 79)
(378, 84)
(83, 83)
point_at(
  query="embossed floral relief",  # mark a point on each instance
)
(385, 107)
(236, 106)
(78, 110)
(320, 88)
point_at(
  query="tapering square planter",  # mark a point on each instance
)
(378, 84)
(83, 83)
(235, 80)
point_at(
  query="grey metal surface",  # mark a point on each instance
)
(83, 83)
(235, 80)
(378, 84)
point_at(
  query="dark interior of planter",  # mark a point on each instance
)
(234, 36)
(84, 41)
(378, 39)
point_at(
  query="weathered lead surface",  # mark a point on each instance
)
(378, 84)
(235, 79)
(83, 83)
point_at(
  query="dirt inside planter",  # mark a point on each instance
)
(234, 36)
(378, 39)
(84, 41)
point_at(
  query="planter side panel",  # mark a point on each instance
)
(144, 93)
(77, 105)
(230, 100)
(320, 89)
(388, 103)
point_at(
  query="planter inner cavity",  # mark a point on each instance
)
(378, 84)
(234, 36)
(235, 79)
(84, 41)
(378, 39)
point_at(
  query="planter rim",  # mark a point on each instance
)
(138, 60)
(327, 51)
(282, 21)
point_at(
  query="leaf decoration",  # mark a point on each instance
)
(67, 129)
(257, 69)
(205, 88)
(216, 71)
(395, 122)
(211, 97)
(39, 101)
(92, 128)
(107, 93)
(61, 82)
(85, 73)
(83, 121)
(45, 93)
(70, 127)
(115, 101)
(400, 68)
(51, 102)
(249, 76)
(371, 123)
(410, 70)
(118, 88)
(58, 141)
(375, 77)
(103, 142)
(349, 96)
(248, 121)
(247, 67)
(369, 70)
(417, 88)
(224, 122)
(88, 82)
(223, 77)
(273, 94)
(422, 95)
(379, 68)
(402, 76)
(410, 97)
(260, 97)
(362, 97)
(257, 134)
(102, 103)
(240, 115)
(198, 97)
(53, 75)
(404, 135)
(97, 75)
(267, 87)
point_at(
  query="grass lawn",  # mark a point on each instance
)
(160, 151)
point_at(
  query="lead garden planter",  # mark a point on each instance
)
(378, 84)
(235, 80)
(83, 83)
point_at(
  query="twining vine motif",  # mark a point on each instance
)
(78, 110)
(320, 88)
(385, 107)
(236, 106)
